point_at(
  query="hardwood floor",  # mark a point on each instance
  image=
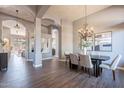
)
(54, 74)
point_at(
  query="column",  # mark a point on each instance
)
(37, 46)
(1, 48)
(0, 29)
(27, 44)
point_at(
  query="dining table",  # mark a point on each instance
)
(96, 61)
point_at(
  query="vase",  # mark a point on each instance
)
(85, 51)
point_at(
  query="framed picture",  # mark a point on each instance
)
(103, 41)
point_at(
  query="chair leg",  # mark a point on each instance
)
(66, 60)
(85, 69)
(71, 66)
(113, 74)
(89, 72)
(101, 71)
(78, 67)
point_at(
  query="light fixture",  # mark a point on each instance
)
(85, 31)
(17, 25)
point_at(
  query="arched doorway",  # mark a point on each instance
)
(55, 42)
(51, 31)
(15, 37)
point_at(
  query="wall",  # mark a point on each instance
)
(67, 36)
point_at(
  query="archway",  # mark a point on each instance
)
(14, 36)
(51, 30)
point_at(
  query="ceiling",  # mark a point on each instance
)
(72, 12)
(25, 12)
(99, 15)
(109, 18)
(68, 12)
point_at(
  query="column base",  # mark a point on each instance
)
(36, 66)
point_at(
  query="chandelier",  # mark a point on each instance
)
(85, 31)
(17, 25)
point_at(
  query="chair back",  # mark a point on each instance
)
(66, 53)
(74, 59)
(115, 62)
(85, 61)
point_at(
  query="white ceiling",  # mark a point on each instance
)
(25, 12)
(99, 15)
(109, 18)
(72, 12)
(69, 12)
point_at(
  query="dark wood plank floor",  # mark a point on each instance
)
(54, 74)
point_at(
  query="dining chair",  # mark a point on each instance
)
(85, 62)
(112, 66)
(74, 60)
(66, 56)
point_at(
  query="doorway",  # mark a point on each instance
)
(55, 42)
(15, 38)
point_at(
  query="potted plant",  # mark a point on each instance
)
(84, 45)
(2, 44)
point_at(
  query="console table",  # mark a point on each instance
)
(3, 61)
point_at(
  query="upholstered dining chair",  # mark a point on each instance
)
(112, 66)
(85, 62)
(66, 56)
(74, 60)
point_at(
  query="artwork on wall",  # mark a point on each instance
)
(103, 41)
(99, 42)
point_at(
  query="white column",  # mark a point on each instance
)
(27, 44)
(1, 49)
(0, 29)
(37, 46)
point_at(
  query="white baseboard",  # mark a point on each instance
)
(29, 59)
(47, 58)
(62, 60)
(41, 59)
(120, 68)
(36, 66)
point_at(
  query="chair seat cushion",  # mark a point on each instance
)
(105, 66)
(107, 62)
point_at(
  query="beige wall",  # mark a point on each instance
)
(67, 36)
